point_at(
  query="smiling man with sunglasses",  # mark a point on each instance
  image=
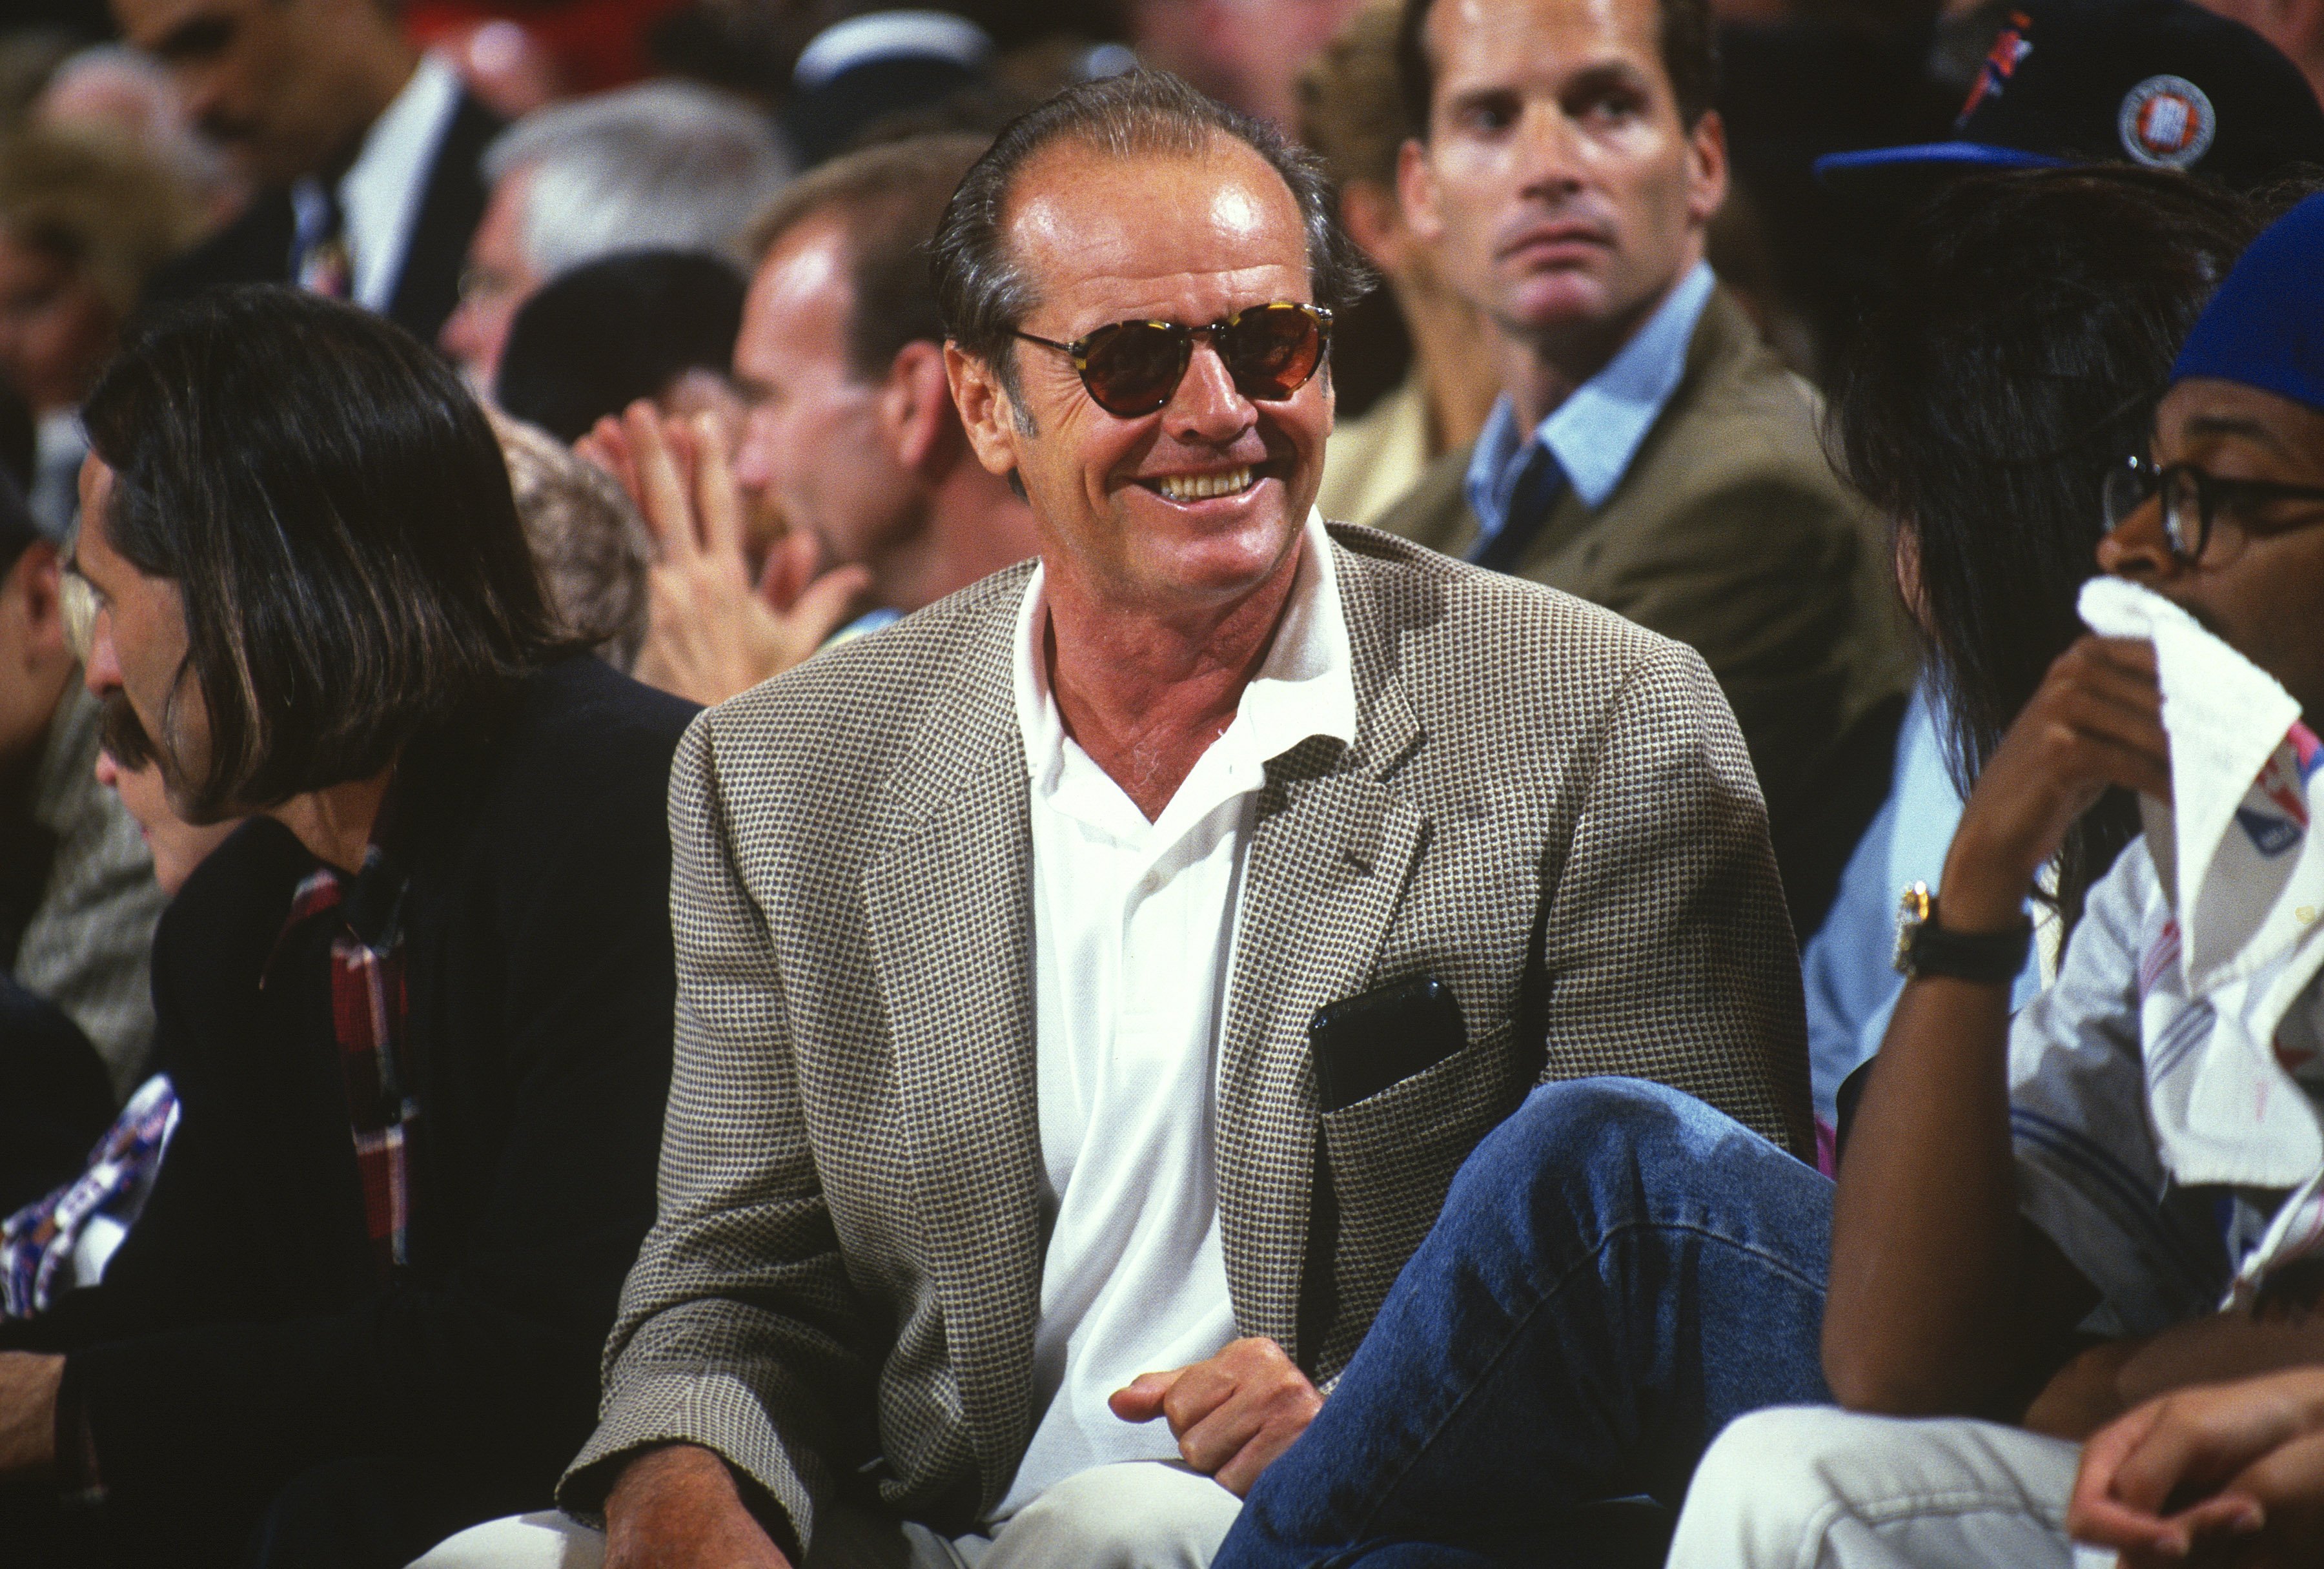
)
(1090, 986)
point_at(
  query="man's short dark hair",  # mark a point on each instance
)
(335, 514)
(1689, 50)
(982, 292)
(887, 199)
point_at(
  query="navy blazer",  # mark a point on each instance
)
(255, 248)
(243, 1335)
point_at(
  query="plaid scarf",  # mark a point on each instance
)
(369, 1009)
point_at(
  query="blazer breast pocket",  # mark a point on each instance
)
(1361, 1045)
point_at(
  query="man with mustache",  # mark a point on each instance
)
(364, 153)
(1649, 452)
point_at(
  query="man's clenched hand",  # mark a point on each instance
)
(1231, 1415)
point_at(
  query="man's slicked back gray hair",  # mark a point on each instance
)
(979, 288)
(661, 165)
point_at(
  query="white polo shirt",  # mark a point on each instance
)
(1133, 928)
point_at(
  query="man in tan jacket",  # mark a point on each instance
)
(1648, 453)
(1089, 985)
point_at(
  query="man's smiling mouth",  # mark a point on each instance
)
(1196, 487)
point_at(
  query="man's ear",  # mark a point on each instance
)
(1374, 218)
(1707, 179)
(916, 407)
(986, 413)
(1416, 188)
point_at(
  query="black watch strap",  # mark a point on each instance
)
(1991, 958)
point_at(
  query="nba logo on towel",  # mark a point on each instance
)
(2167, 123)
(2271, 836)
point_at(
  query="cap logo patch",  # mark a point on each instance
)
(2010, 48)
(2167, 123)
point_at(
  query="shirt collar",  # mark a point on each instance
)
(380, 193)
(1305, 687)
(1598, 429)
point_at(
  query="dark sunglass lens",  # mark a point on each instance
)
(1132, 367)
(1272, 351)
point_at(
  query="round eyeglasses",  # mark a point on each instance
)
(1132, 368)
(2193, 502)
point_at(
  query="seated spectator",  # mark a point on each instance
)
(1002, 1215)
(1352, 114)
(109, 88)
(661, 165)
(2027, 329)
(587, 540)
(65, 1239)
(84, 219)
(361, 150)
(1649, 452)
(2045, 1222)
(851, 439)
(78, 902)
(416, 1012)
(657, 325)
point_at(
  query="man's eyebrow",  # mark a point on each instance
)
(2237, 425)
(750, 387)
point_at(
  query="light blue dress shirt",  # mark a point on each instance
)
(1848, 965)
(1595, 433)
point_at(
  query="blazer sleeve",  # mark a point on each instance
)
(489, 1363)
(738, 1330)
(1668, 952)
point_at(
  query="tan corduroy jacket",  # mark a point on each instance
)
(1545, 806)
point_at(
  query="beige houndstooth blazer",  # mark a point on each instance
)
(1546, 805)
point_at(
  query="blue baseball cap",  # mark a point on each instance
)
(2164, 83)
(2264, 327)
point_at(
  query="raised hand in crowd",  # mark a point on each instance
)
(2222, 1473)
(1232, 1414)
(717, 624)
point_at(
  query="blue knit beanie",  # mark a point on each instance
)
(2264, 327)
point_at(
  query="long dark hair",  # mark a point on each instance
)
(335, 514)
(2025, 336)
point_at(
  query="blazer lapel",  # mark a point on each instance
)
(1332, 848)
(949, 904)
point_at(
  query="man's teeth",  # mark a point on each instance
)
(1195, 487)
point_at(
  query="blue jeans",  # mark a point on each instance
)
(1618, 1271)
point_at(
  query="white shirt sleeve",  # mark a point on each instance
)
(2089, 1173)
